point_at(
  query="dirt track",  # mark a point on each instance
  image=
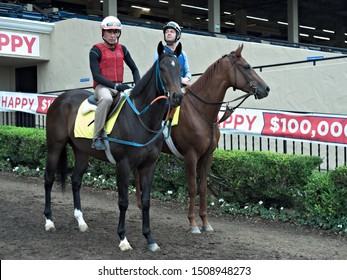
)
(22, 234)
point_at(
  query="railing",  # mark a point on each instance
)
(332, 155)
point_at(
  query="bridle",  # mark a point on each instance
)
(166, 95)
(228, 110)
(158, 79)
(233, 62)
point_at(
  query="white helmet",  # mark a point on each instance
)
(111, 22)
(173, 25)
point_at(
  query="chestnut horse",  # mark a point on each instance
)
(135, 141)
(197, 133)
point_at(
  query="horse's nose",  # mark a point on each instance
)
(177, 99)
(262, 92)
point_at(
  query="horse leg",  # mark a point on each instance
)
(49, 180)
(137, 187)
(190, 168)
(146, 179)
(81, 165)
(52, 160)
(123, 174)
(204, 165)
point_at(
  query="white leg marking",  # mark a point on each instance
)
(81, 223)
(124, 245)
(207, 228)
(49, 226)
(195, 230)
(153, 247)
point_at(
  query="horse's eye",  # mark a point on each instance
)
(247, 66)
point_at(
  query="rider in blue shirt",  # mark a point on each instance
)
(172, 33)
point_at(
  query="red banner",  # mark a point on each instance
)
(43, 104)
(318, 128)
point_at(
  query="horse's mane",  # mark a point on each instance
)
(143, 82)
(146, 78)
(206, 76)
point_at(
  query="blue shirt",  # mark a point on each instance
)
(183, 60)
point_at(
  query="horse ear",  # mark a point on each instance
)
(239, 50)
(178, 49)
(160, 49)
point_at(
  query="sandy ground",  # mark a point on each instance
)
(23, 237)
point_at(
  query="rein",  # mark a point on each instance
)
(228, 110)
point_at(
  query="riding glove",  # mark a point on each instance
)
(121, 87)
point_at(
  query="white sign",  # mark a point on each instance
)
(327, 128)
(25, 102)
(19, 44)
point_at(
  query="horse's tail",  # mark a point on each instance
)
(62, 169)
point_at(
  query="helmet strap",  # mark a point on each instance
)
(170, 43)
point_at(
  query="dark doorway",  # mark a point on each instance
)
(26, 81)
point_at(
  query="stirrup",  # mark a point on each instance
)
(99, 144)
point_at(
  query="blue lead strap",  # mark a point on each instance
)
(131, 104)
(134, 144)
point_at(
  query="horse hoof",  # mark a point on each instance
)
(195, 230)
(207, 228)
(49, 226)
(83, 227)
(153, 247)
(124, 245)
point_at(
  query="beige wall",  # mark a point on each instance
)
(300, 87)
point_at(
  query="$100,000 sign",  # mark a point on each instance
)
(311, 127)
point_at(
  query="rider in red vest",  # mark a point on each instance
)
(107, 66)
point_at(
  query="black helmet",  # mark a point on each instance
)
(176, 27)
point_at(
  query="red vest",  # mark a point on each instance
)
(112, 63)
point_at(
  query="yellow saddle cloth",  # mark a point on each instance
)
(82, 127)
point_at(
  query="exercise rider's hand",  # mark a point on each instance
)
(122, 87)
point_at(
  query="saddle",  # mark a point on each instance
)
(92, 104)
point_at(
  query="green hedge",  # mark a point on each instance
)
(244, 177)
(23, 146)
(250, 177)
(324, 198)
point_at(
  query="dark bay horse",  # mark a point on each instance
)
(197, 133)
(159, 84)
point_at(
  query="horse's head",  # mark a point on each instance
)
(169, 74)
(244, 76)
